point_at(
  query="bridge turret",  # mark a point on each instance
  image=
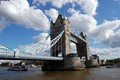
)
(82, 35)
(63, 45)
(82, 47)
(86, 37)
(87, 48)
(51, 23)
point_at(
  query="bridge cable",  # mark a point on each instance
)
(35, 48)
(61, 46)
(54, 41)
(58, 48)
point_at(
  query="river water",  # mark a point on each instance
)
(101, 73)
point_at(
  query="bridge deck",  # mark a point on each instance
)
(40, 58)
(73, 41)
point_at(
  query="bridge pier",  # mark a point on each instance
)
(91, 63)
(69, 63)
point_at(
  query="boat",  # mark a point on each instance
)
(32, 66)
(110, 66)
(17, 68)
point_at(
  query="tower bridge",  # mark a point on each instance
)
(56, 56)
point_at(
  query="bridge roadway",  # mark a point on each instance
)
(40, 58)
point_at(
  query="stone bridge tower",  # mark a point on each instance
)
(83, 48)
(63, 45)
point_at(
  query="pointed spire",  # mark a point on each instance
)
(60, 16)
(51, 23)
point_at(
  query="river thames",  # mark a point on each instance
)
(100, 73)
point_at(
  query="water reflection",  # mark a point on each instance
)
(101, 73)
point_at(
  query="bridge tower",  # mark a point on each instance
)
(63, 45)
(83, 48)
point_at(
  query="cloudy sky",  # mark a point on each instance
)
(25, 22)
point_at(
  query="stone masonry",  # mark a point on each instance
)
(63, 45)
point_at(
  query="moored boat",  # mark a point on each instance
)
(109, 66)
(17, 68)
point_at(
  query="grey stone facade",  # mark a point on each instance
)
(63, 45)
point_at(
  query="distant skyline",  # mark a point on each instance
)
(25, 22)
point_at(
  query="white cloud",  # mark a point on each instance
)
(53, 13)
(114, 40)
(117, 1)
(82, 22)
(72, 11)
(20, 12)
(42, 37)
(2, 24)
(106, 53)
(73, 48)
(106, 33)
(105, 30)
(56, 3)
(88, 6)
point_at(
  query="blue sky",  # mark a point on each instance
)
(108, 10)
(25, 22)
